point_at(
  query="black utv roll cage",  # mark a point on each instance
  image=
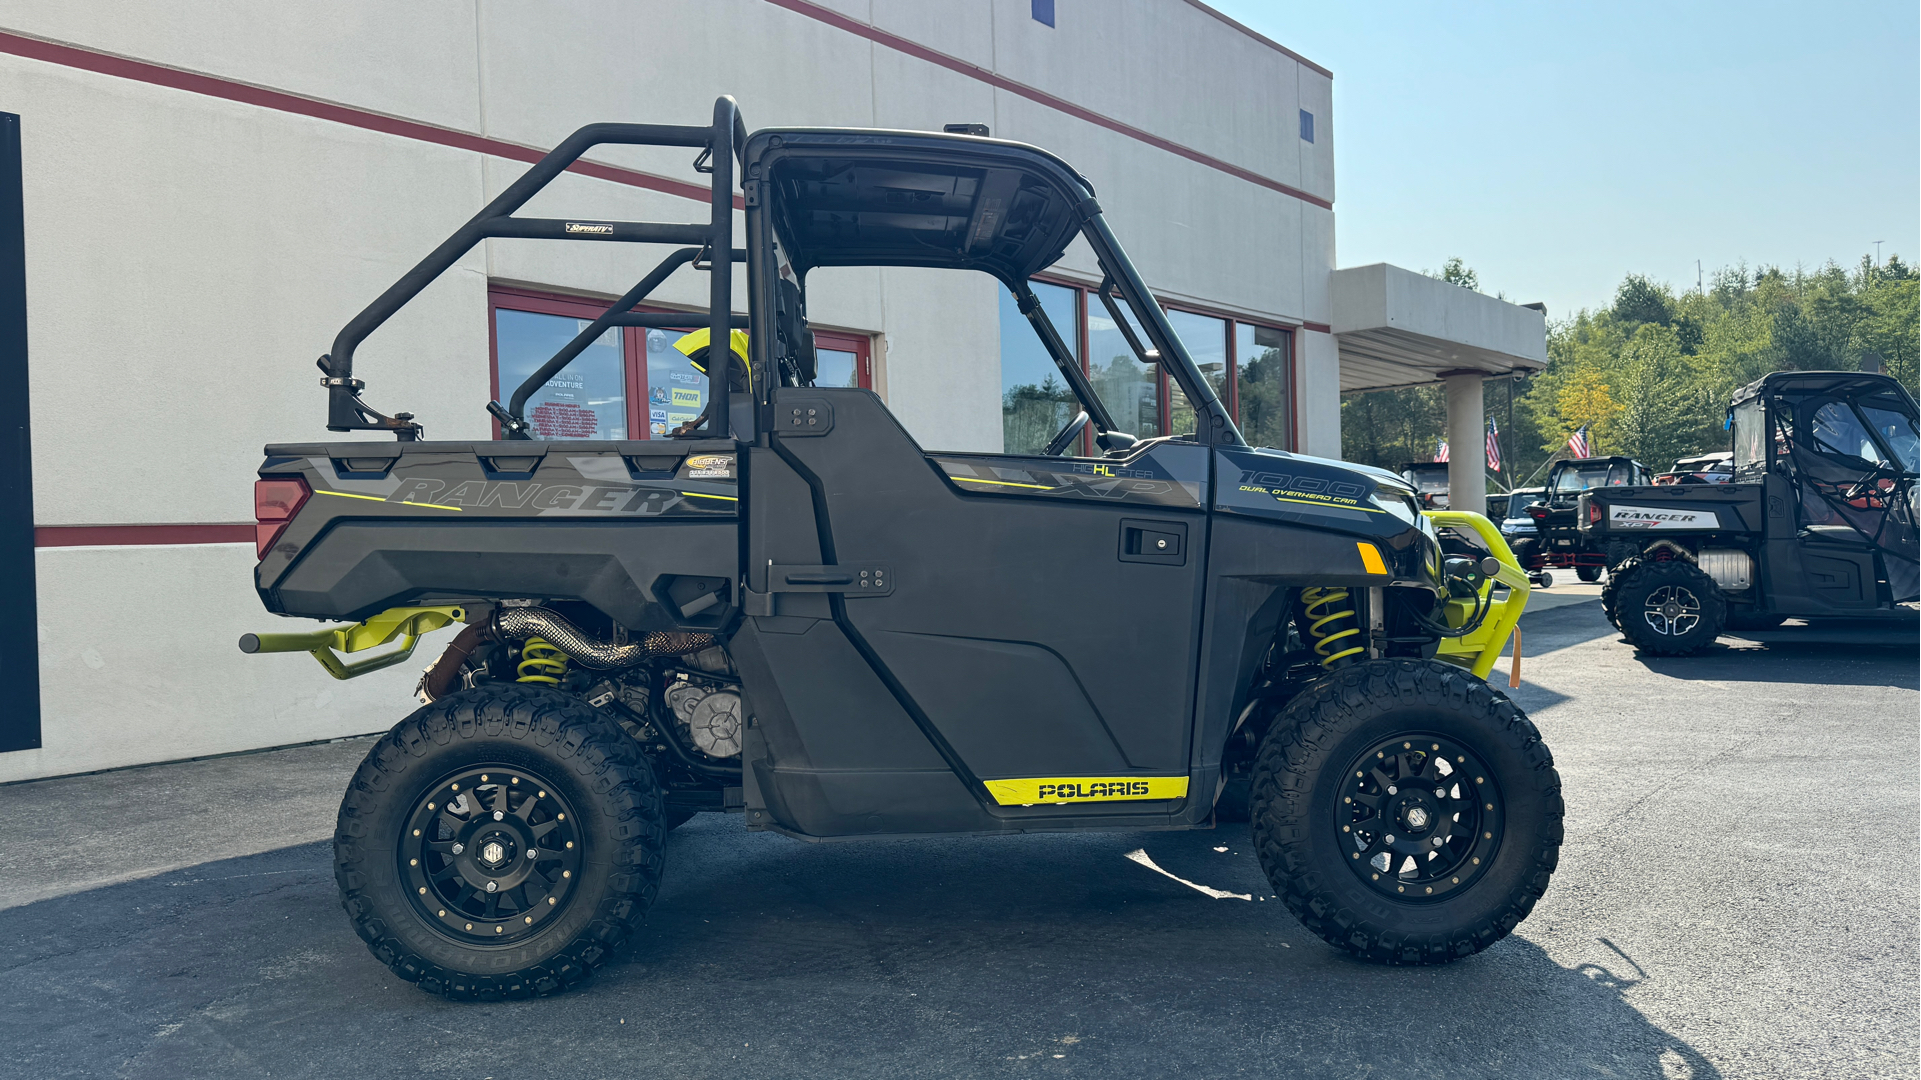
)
(1016, 217)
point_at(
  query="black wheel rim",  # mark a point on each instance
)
(1672, 610)
(491, 854)
(1419, 817)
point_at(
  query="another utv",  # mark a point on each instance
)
(1429, 481)
(1558, 541)
(1818, 521)
(798, 614)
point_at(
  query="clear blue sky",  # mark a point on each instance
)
(1558, 147)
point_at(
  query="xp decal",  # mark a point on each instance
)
(1145, 481)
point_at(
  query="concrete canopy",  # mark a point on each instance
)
(1398, 328)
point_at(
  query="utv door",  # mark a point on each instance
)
(1029, 619)
(1855, 527)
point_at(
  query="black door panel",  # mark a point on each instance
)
(1014, 628)
(984, 696)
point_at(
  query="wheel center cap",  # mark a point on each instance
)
(1670, 609)
(493, 853)
(1417, 818)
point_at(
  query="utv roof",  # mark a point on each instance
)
(864, 197)
(1818, 382)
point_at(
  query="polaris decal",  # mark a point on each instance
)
(1042, 790)
(1646, 518)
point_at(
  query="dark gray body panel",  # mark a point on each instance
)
(1040, 617)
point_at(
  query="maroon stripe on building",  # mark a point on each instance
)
(1001, 82)
(47, 536)
(121, 67)
(1317, 327)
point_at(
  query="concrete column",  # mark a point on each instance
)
(1466, 444)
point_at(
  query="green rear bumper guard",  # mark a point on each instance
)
(409, 624)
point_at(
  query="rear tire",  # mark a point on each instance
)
(1319, 848)
(1526, 550)
(574, 862)
(1668, 608)
(1620, 551)
(1588, 573)
(1611, 588)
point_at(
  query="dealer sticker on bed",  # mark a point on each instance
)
(1653, 517)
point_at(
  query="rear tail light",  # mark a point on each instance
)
(1537, 512)
(1593, 513)
(275, 502)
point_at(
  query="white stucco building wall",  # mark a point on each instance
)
(213, 189)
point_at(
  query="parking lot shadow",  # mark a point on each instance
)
(769, 957)
(1781, 659)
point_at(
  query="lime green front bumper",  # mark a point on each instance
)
(1477, 651)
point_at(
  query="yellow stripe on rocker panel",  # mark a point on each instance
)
(1066, 789)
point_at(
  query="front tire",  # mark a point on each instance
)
(499, 843)
(1588, 574)
(1342, 786)
(1668, 608)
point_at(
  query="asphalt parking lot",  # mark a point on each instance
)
(1737, 898)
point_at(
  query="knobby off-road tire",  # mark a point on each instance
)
(1620, 551)
(1588, 573)
(554, 793)
(1320, 760)
(1667, 607)
(1610, 588)
(1525, 549)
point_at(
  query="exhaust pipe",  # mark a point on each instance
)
(520, 623)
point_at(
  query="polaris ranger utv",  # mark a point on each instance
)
(1818, 521)
(1558, 541)
(796, 613)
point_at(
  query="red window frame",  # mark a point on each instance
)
(1233, 373)
(860, 345)
(633, 346)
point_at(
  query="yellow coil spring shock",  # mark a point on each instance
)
(1323, 608)
(541, 663)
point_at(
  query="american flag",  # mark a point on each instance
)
(1440, 450)
(1578, 443)
(1493, 446)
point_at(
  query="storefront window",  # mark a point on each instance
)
(1036, 401)
(1130, 389)
(587, 399)
(1206, 339)
(676, 393)
(1266, 408)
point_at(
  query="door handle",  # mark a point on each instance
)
(1159, 542)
